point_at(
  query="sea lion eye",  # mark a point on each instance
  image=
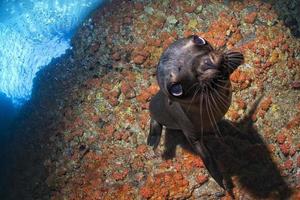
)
(176, 89)
(199, 40)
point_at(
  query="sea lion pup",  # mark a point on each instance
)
(195, 93)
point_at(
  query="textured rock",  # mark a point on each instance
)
(90, 136)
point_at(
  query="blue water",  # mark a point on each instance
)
(32, 32)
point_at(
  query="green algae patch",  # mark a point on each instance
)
(98, 139)
(192, 24)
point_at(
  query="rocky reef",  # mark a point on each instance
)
(83, 134)
(289, 12)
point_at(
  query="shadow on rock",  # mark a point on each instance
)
(288, 11)
(242, 155)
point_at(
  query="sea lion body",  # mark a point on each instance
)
(168, 114)
(195, 93)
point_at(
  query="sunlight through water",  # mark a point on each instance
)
(32, 32)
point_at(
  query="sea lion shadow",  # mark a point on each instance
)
(241, 154)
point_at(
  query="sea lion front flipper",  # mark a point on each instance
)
(208, 161)
(154, 134)
(198, 146)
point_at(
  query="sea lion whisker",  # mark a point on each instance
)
(197, 90)
(235, 59)
(223, 105)
(195, 84)
(220, 75)
(220, 86)
(220, 90)
(233, 64)
(221, 93)
(220, 98)
(225, 82)
(208, 111)
(230, 62)
(227, 65)
(213, 98)
(212, 113)
(201, 115)
(232, 53)
(221, 80)
(239, 58)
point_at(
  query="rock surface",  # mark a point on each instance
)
(83, 134)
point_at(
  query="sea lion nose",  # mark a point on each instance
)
(209, 63)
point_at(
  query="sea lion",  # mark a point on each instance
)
(195, 93)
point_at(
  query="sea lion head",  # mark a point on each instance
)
(190, 65)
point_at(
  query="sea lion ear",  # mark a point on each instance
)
(232, 60)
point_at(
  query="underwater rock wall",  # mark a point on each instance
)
(83, 134)
(7, 113)
(31, 34)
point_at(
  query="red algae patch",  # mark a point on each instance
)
(96, 124)
(113, 118)
(281, 137)
(191, 161)
(165, 186)
(250, 18)
(201, 179)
